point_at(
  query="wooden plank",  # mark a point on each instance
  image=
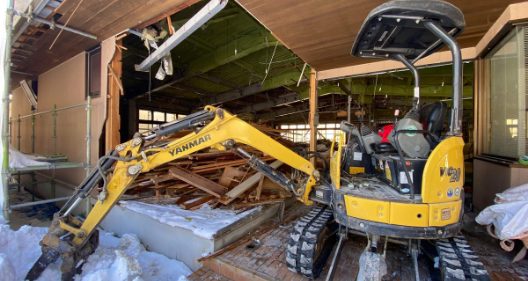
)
(232, 272)
(327, 46)
(229, 175)
(243, 205)
(196, 202)
(200, 182)
(246, 185)
(184, 198)
(113, 122)
(259, 187)
(221, 165)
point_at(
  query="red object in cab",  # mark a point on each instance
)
(385, 131)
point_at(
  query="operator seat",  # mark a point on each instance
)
(432, 117)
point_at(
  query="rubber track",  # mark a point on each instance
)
(301, 246)
(457, 261)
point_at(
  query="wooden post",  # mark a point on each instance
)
(115, 91)
(314, 116)
(481, 106)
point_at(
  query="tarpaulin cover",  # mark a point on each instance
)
(509, 215)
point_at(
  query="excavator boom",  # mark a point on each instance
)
(72, 239)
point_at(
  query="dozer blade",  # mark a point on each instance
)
(48, 257)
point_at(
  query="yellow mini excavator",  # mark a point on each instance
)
(408, 190)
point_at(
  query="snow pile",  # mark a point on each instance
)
(21, 248)
(6, 268)
(204, 222)
(115, 258)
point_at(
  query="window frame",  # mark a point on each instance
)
(89, 55)
(151, 123)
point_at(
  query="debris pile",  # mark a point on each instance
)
(218, 178)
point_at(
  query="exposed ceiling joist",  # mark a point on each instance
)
(245, 46)
(271, 102)
(287, 78)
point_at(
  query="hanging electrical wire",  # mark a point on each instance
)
(269, 64)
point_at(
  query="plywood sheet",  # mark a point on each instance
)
(99, 17)
(322, 32)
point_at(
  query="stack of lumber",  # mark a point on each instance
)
(218, 178)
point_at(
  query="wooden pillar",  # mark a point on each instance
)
(314, 115)
(481, 106)
(115, 90)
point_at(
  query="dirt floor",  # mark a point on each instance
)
(260, 256)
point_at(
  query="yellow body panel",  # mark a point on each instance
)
(335, 159)
(356, 170)
(403, 214)
(367, 209)
(441, 214)
(443, 175)
(409, 214)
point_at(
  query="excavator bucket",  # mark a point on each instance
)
(56, 245)
(48, 257)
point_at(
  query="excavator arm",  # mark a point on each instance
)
(74, 240)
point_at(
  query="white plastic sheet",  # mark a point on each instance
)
(18, 159)
(509, 215)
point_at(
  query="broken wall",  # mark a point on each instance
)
(64, 86)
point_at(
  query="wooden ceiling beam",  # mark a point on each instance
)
(271, 102)
(246, 45)
(286, 78)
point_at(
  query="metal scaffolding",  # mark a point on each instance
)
(5, 111)
(53, 166)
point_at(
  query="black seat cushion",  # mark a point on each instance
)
(384, 147)
(432, 117)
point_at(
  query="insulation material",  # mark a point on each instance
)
(115, 259)
(508, 215)
(204, 222)
(151, 37)
(18, 159)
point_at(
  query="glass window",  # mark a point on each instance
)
(159, 116)
(93, 71)
(144, 127)
(145, 114)
(149, 119)
(171, 117)
(507, 115)
(301, 132)
(181, 116)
